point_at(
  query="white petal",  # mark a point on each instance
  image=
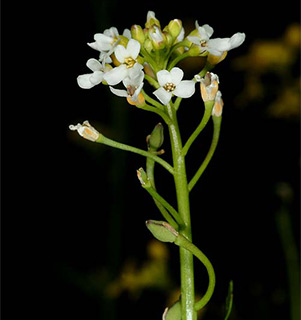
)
(127, 33)
(84, 81)
(93, 45)
(195, 40)
(219, 44)
(119, 93)
(116, 75)
(112, 32)
(237, 39)
(185, 89)
(94, 65)
(121, 53)
(177, 75)
(163, 77)
(208, 29)
(103, 42)
(133, 48)
(96, 77)
(163, 95)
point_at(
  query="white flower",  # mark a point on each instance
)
(87, 81)
(215, 46)
(171, 84)
(133, 84)
(127, 57)
(106, 42)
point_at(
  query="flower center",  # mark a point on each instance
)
(129, 62)
(203, 43)
(169, 87)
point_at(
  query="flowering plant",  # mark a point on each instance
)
(151, 55)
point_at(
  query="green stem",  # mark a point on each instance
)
(177, 60)
(183, 242)
(152, 101)
(186, 258)
(165, 204)
(150, 168)
(104, 140)
(208, 110)
(159, 112)
(152, 81)
(215, 138)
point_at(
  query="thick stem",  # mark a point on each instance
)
(181, 185)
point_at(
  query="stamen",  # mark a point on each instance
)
(129, 62)
(169, 87)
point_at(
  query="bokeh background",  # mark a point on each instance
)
(74, 241)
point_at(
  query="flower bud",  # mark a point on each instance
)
(194, 50)
(174, 28)
(137, 33)
(142, 177)
(157, 37)
(151, 20)
(86, 131)
(148, 46)
(209, 86)
(218, 105)
(156, 138)
(162, 231)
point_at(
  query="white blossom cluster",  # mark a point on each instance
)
(138, 52)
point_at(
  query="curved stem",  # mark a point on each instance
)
(165, 204)
(208, 110)
(104, 140)
(152, 101)
(184, 243)
(152, 81)
(161, 113)
(150, 168)
(216, 132)
(177, 60)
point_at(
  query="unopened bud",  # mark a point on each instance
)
(162, 231)
(174, 28)
(156, 138)
(151, 20)
(157, 37)
(218, 105)
(209, 86)
(137, 33)
(142, 177)
(85, 130)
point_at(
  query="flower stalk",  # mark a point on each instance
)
(150, 55)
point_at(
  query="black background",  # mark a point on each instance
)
(63, 198)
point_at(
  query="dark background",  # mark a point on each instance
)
(72, 210)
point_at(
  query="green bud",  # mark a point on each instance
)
(175, 27)
(151, 20)
(156, 138)
(142, 176)
(162, 231)
(173, 313)
(148, 46)
(137, 33)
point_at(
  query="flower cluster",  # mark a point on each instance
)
(152, 54)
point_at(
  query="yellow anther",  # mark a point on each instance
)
(129, 62)
(169, 87)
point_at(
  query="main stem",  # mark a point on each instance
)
(181, 185)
